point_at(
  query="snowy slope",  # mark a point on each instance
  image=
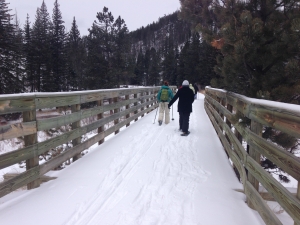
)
(147, 174)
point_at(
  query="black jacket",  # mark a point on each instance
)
(186, 99)
(196, 89)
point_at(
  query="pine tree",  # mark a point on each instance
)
(121, 52)
(97, 65)
(260, 40)
(100, 49)
(207, 62)
(58, 49)
(154, 77)
(42, 50)
(8, 76)
(139, 69)
(192, 60)
(147, 63)
(28, 50)
(18, 59)
(182, 64)
(169, 60)
(76, 56)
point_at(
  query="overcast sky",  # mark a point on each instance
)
(136, 13)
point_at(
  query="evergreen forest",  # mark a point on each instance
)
(43, 57)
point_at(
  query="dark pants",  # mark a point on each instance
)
(184, 118)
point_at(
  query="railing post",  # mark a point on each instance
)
(147, 100)
(229, 107)
(75, 125)
(30, 140)
(222, 102)
(236, 133)
(152, 98)
(240, 138)
(298, 196)
(142, 101)
(116, 121)
(110, 101)
(135, 104)
(99, 117)
(257, 129)
(127, 107)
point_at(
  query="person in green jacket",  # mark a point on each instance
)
(164, 96)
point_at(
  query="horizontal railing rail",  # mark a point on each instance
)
(227, 112)
(112, 108)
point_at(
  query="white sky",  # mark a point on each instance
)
(147, 174)
(136, 13)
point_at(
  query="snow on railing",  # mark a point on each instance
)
(227, 112)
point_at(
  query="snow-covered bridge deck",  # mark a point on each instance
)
(147, 174)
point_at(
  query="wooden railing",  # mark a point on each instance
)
(124, 105)
(226, 111)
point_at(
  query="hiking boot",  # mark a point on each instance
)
(159, 122)
(185, 133)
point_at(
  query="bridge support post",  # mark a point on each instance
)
(257, 129)
(147, 100)
(230, 109)
(298, 196)
(116, 121)
(152, 98)
(75, 125)
(127, 107)
(142, 101)
(30, 140)
(240, 138)
(135, 104)
(99, 117)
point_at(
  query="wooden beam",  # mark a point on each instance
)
(99, 117)
(127, 107)
(117, 110)
(29, 140)
(17, 130)
(260, 205)
(265, 195)
(75, 125)
(287, 201)
(51, 102)
(16, 104)
(13, 157)
(135, 104)
(257, 129)
(298, 196)
(42, 179)
(27, 177)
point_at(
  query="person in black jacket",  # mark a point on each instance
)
(186, 99)
(196, 90)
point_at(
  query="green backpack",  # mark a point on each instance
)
(164, 95)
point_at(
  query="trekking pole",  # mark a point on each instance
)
(155, 115)
(172, 113)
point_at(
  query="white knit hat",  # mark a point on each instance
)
(185, 83)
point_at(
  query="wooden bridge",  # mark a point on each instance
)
(114, 109)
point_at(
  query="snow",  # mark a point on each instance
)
(146, 174)
(288, 107)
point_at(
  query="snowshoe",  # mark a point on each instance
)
(185, 133)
